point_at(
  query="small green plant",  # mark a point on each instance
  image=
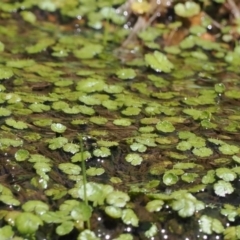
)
(84, 174)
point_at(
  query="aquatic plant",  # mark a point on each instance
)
(119, 115)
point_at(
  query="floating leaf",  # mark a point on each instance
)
(165, 126)
(107, 144)
(90, 100)
(69, 168)
(78, 156)
(58, 127)
(98, 120)
(219, 88)
(195, 113)
(56, 143)
(91, 85)
(187, 9)
(28, 16)
(9, 199)
(38, 158)
(21, 155)
(64, 228)
(88, 51)
(159, 62)
(6, 232)
(5, 73)
(27, 223)
(229, 149)
(189, 177)
(1, 47)
(140, 7)
(122, 122)
(209, 225)
(131, 111)
(21, 63)
(134, 158)
(117, 198)
(129, 217)
(170, 178)
(43, 122)
(184, 145)
(221, 188)
(138, 147)
(186, 205)
(86, 110)
(16, 124)
(124, 236)
(230, 211)
(102, 152)
(114, 212)
(35, 206)
(96, 192)
(232, 233)
(154, 205)
(209, 178)
(71, 147)
(39, 107)
(81, 211)
(126, 73)
(4, 112)
(147, 141)
(152, 231)
(42, 167)
(202, 152)
(92, 171)
(184, 165)
(226, 174)
(236, 158)
(87, 234)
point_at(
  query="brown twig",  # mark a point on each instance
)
(234, 8)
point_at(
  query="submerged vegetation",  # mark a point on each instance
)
(119, 119)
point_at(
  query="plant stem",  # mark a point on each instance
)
(84, 178)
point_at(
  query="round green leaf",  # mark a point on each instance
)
(209, 225)
(69, 168)
(158, 62)
(117, 198)
(134, 158)
(27, 223)
(65, 228)
(58, 127)
(4, 112)
(92, 171)
(129, 217)
(87, 235)
(102, 152)
(170, 178)
(5, 73)
(21, 155)
(165, 126)
(187, 9)
(226, 174)
(6, 232)
(35, 206)
(126, 73)
(16, 124)
(228, 149)
(114, 212)
(154, 205)
(222, 188)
